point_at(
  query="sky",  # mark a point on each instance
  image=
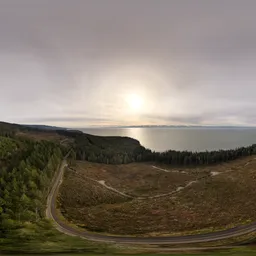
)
(87, 63)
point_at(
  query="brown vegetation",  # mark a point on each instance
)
(45, 135)
(223, 196)
(138, 179)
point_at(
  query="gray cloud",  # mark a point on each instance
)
(75, 62)
(78, 122)
(67, 119)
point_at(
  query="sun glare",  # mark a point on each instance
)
(134, 101)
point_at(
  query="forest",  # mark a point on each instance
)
(27, 168)
(111, 155)
(26, 171)
(187, 158)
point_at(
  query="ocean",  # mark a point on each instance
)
(192, 139)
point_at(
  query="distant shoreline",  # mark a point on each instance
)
(171, 127)
(49, 127)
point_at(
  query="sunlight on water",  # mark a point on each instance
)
(195, 139)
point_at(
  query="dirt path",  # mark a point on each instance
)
(177, 190)
(103, 183)
(164, 170)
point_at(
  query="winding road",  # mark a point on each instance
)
(51, 213)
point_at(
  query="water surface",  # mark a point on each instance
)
(194, 139)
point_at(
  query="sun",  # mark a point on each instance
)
(134, 101)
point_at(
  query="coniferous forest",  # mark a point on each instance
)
(27, 169)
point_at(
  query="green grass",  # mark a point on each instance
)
(44, 238)
(236, 252)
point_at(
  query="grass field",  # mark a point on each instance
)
(193, 199)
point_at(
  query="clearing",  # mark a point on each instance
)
(151, 199)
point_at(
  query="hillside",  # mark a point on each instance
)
(160, 200)
(110, 150)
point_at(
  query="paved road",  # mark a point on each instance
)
(189, 239)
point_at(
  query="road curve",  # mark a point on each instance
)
(188, 239)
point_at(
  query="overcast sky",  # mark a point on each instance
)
(78, 63)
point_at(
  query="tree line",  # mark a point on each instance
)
(186, 158)
(111, 155)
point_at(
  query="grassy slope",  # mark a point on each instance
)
(43, 238)
(215, 202)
